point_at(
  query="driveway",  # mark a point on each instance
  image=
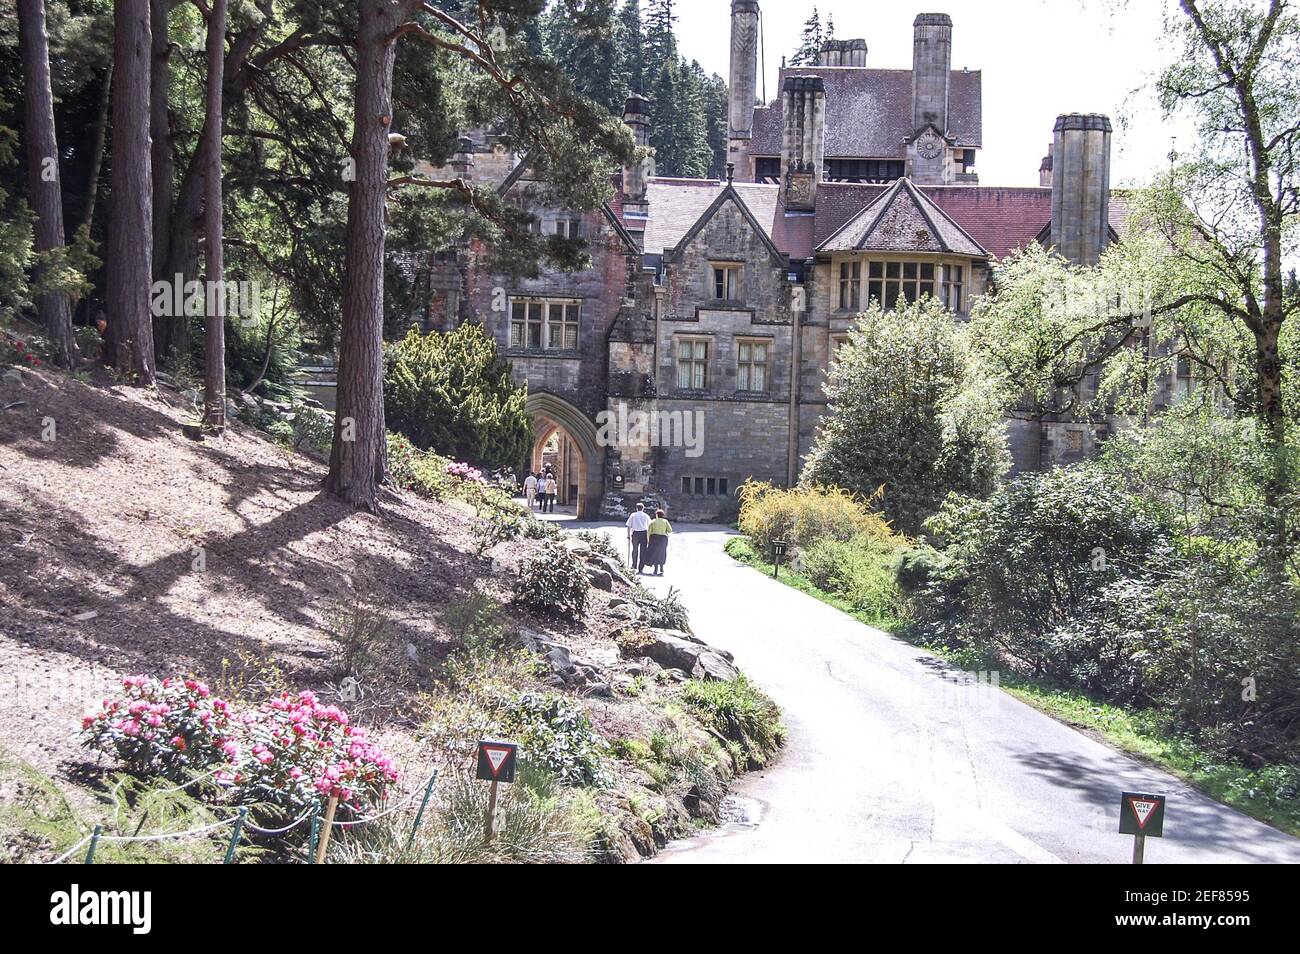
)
(895, 756)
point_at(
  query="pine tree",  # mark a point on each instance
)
(588, 49)
(660, 41)
(679, 133)
(631, 46)
(810, 43)
(713, 91)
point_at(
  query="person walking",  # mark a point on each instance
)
(552, 489)
(530, 489)
(657, 551)
(638, 525)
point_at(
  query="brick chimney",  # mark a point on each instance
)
(1081, 187)
(803, 145)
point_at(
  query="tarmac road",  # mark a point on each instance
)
(895, 756)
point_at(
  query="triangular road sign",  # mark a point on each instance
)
(1142, 808)
(497, 756)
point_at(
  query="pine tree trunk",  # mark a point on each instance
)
(214, 365)
(358, 458)
(130, 229)
(43, 192)
(161, 164)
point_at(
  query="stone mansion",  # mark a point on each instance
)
(722, 302)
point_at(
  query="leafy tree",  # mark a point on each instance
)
(452, 393)
(571, 141)
(912, 411)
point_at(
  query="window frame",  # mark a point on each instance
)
(728, 275)
(536, 330)
(695, 362)
(750, 364)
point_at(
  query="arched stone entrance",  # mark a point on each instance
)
(574, 453)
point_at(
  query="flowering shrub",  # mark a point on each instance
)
(289, 752)
(461, 471)
(165, 727)
(16, 351)
(301, 750)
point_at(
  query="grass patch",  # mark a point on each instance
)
(738, 548)
(1270, 794)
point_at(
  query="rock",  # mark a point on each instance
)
(602, 689)
(612, 567)
(579, 548)
(600, 579)
(619, 601)
(627, 611)
(713, 667)
(672, 649)
(315, 653)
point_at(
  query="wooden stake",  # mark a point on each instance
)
(491, 821)
(329, 826)
(1139, 845)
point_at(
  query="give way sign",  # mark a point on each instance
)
(1141, 814)
(496, 761)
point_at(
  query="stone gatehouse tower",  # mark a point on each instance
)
(691, 355)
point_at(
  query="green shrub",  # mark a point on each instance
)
(666, 612)
(861, 570)
(1023, 562)
(802, 515)
(453, 393)
(554, 583)
(600, 543)
(423, 472)
(740, 712)
(555, 736)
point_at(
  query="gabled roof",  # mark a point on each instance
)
(869, 112)
(731, 194)
(902, 219)
(678, 205)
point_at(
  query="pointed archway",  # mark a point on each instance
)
(581, 463)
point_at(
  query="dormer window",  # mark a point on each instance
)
(726, 282)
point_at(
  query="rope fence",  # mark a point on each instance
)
(317, 841)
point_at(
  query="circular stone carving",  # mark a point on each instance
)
(929, 145)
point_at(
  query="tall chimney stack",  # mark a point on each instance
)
(636, 113)
(803, 143)
(744, 83)
(1081, 186)
(931, 71)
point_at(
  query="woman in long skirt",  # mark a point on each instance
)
(657, 550)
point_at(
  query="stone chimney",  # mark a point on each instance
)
(463, 161)
(803, 144)
(1081, 187)
(744, 82)
(843, 53)
(1045, 167)
(931, 71)
(636, 113)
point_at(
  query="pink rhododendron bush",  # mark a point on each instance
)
(289, 752)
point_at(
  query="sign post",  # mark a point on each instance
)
(496, 763)
(1140, 815)
(778, 551)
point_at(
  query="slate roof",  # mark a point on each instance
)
(902, 219)
(998, 220)
(869, 112)
(677, 204)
